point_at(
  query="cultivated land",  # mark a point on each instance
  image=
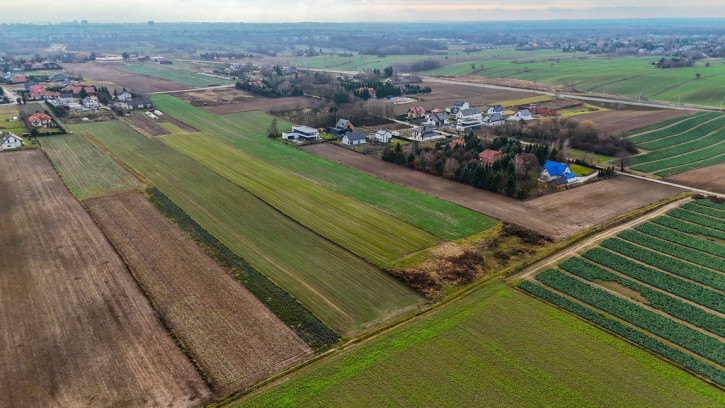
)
(362, 229)
(174, 75)
(85, 168)
(233, 337)
(496, 346)
(344, 291)
(615, 122)
(711, 178)
(232, 100)
(623, 76)
(247, 132)
(584, 206)
(98, 72)
(676, 146)
(664, 279)
(76, 328)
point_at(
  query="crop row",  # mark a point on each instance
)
(673, 250)
(655, 323)
(688, 136)
(655, 299)
(672, 265)
(688, 228)
(629, 333)
(707, 203)
(709, 144)
(678, 237)
(711, 211)
(677, 286)
(700, 219)
(311, 329)
(694, 165)
(690, 122)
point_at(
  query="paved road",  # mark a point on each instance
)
(667, 183)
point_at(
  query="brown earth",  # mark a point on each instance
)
(147, 124)
(75, 329)
(134, 83)
(233, 337)
(445, 95)
(168, 118)
(617, 121)
(232, 100)
(711, 178)
(557, 215)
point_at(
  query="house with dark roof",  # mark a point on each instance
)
(383, 136)
(552, 170)
(425, 132)
(437, 119)
(139, 103)
(523, 114)
(493, 119)
(57, 78)
(495, 109)
(301, 132)
(10, 141)
(354, 138)
(471, 113)
(457, 106)
(341, 127)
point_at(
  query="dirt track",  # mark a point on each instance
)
(232, 335)
(557, 215)
(75, 329)
(617, 121)
(711, 178)
(135, 83)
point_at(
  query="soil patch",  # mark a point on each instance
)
(710, 178)
(119, 78)
(147, 124)
(615, 122)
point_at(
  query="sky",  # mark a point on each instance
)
(120, 11)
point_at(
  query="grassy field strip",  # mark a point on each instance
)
(171, 127)
(654, 299)
(175, 75)
(661, 125)
(701, 219)
(677, 237)
(689, 228)
(690, 136)
(680, 126)
(497, 345)
(368, 232)
(697, 206)
(247, 132)
(696, 165)
(346, 292)
(86, 169)
(666, 153)
(644, 340)
(683, 157)
(674, 250)
(710, 204)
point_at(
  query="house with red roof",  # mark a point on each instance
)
(39, 119)
(38, 93)
(416, 112)
(19, 79)
(489, 156)
(76, 90)
(457, 142)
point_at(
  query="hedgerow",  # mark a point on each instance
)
(629, 333)
(310, 329)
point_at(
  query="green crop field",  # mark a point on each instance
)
(630, 76)
(695, 141)
(368, 232)
(86, 169)
(343, 290)
(654, 278)
(247, 132)
(495, 347)
(175, 75)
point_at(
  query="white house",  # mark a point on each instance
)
(457, 106)
(463, 125)
(10, 141)
(523, 114)
(383, 136)
(123, 97)
(493, 119)
(301, 132)
(424, 133)
(437, 119)
(39, 119)
(495, 109)
(354, 138)
(90, 102)
(553, 170)
(472, 113)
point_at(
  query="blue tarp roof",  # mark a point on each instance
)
(558, 169)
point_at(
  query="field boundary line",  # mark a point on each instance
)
(101, 146)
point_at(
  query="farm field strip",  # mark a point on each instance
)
(496, 344)
(368, 232)
(689, 136)
(344, 291)
(661, 125)
(691, 166)
(697, 218)
(175, 75)
(75, 327)
(672, 249)
(689, 228)
(247, 132)
(672, 127)
(686, 147)
(693, 157)
(86, 169)
(677, 237)
(697, 206)
(233, 337)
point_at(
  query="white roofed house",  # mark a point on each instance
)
(354, 138)
(123, 97)
(301, 132)
(9, 141)
(90, 102)
(457, 106)
(523, 114)
(383, 136)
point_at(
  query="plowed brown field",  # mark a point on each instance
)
(134, 83)
(234, 338)
(617, 121)
(711, 178)
(75, 329)
(559, 215)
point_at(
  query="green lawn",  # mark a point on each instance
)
(175, 75)
(580, 170)
(370, 233)
(247, 132)
(343, 290)
(86, 169)
(495, 347)
(624, 76)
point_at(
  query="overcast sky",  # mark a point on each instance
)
(350, 10)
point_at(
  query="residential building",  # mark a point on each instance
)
(10, 141)
(341, 127)
(457, 106)
(523, 114)
(552, 170)
(437, 119)
(124, 97)
(489, 156)
(416, 112)
(493, 119)
(39, 119)
(354, 138)
(90, 102)
(495, 109)
(383, 136)
(301, 132)
(424, 133)
(471, 113)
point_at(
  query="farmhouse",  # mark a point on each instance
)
(90, 102)
(38, 92)
(424, 133)
(39, 119)
(437, 119)
(341, 127)
(301, 132)
(383, 136)
(457, 142)
(489, 156)
(523, 114)
(493, 119)
(558, 182)
(472, 113)
(19, 79)
(457, 106)
(139, 104)
(124, 97)
(416, 112)
(552, 170)
(354, 138)
(495, 109)
(10, 141)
